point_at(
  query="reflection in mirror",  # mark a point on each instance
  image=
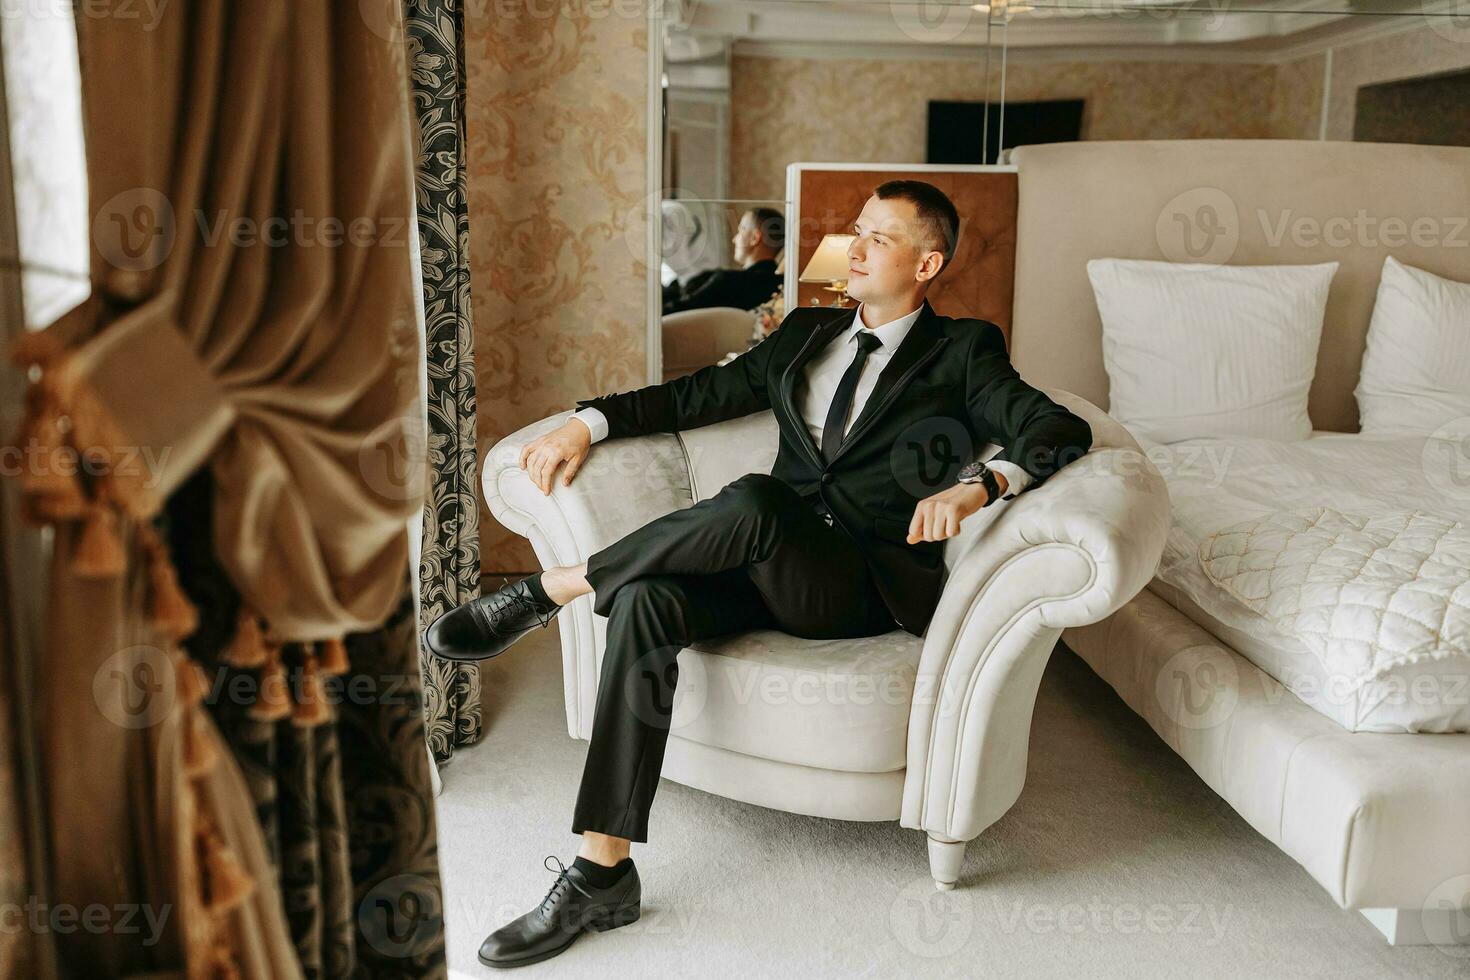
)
(752, 86)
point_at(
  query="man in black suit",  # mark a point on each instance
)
(756, 242)
(882, 410)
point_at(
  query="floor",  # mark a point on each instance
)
(1115, 862)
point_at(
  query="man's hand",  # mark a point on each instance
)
(938, 517)
(568, 444)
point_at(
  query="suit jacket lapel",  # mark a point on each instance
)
(816, 341)
(923, 341)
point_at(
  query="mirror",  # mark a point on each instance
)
(751, 86)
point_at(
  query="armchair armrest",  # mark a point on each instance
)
(1067, 553)
(622, 485)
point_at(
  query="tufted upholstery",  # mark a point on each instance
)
(930, 731)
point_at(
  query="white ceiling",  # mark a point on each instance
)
(1209, 30)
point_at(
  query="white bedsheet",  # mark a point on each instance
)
(1405, 500)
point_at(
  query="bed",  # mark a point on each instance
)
(1232, 654)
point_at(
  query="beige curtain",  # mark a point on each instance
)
(250, 185)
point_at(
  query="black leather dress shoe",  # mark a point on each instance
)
(483, 628)
(573, 906)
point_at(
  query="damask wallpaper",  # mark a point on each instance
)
(785, 109)
(557, 138)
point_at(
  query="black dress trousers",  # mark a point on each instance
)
(754, 555)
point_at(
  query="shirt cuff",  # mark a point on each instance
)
(1017, 479)
(597, 422)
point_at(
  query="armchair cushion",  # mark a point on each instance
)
(829, 704)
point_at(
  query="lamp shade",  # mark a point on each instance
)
(829, 262)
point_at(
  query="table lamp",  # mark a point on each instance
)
(828, 264)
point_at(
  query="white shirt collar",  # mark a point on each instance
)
(890, 333)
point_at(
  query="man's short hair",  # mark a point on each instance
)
(939, 222)
(772, 226)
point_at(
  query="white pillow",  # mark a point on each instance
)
(1197, 350)
(1416, 370)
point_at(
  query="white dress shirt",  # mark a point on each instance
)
(825, 371)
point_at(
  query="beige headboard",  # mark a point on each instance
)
(1241, 202)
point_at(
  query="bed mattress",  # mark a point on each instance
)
(1339, 565)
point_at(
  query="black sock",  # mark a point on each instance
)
(533, 582)
(600, 875)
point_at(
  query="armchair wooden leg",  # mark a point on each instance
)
(945, 858)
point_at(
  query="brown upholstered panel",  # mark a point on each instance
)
(979, 282)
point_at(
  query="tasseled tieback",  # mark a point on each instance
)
(307, 703)
(70, 481)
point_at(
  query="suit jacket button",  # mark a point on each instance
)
(826, 477)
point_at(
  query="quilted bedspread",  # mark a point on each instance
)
(1365, 593)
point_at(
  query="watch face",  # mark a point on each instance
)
(972, 472)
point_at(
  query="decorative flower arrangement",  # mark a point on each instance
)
(768, 316)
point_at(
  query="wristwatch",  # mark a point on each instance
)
(978, 472)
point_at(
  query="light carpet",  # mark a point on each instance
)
(1117, 861)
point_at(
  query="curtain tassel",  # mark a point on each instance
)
(191, 683)
(228, 884)
(247, 649)
(99, 551)
(200, 752)
(273, 701)
(172, 613)
(334, 661)
(311, 709)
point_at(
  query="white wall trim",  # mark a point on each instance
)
(1352, 30)
(1326, 94)
(653, 200)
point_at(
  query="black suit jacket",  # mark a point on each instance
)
(744, 289)
(947, 391)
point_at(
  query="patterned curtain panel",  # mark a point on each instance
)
(449, 572)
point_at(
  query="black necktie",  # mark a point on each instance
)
(846, 388)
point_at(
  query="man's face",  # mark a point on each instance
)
(886, 259)
(746, 236)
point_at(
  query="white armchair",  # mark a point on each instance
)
(929, 731)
